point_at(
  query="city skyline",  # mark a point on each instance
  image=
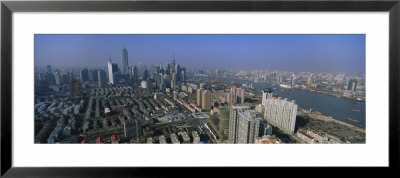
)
(120, 102)
(318, 53)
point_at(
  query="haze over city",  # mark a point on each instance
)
(181, 89)
(311, 53)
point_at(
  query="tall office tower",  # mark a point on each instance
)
(183, 79)
(199, 91)
(352, 85)
(50, 78)
(173, 64)
(266, 94)
(49, 70)
(112, 71)
(156, 70)
(124, 61)
(162, 82)
(134, 75)
(84, 75)
(133, 129)
(93, 75)
(65, 79)
(101, 75)
(58, 78)
(145, 74)
(243, 125)
(281, 113)
(71, 76)
(178, 72)
(206, 100)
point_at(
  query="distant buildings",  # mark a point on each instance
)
(281, 113)
(352, 85)
(124, 61)
(243, 125)
(134, 75)
(49, 70)
(57, 78)
(93, 75)
(311, 81)
(84, 75)
(101, 75)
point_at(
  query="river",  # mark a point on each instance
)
(338, 108)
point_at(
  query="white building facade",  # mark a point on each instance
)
(281, 113)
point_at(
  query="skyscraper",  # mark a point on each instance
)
(145, 74)
(58, 78)
(281, 113)
(243, 125)
(84, 75)
(266, 94)
(134, 75)
(49, 70)
(112, 71)
(93, 75)
(124, 61)
(199, 91)
(101, 75)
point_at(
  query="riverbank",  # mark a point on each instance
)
(336, 94)
(325, 118)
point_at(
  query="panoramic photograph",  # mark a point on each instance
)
(199, 89)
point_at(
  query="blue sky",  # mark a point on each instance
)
(314, 53)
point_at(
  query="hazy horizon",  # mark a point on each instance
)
(314, 53)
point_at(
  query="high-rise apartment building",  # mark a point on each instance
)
(235, 95)
(266, 94)
(206, 100)
(199, 91)
(281, 113)
(243, 125)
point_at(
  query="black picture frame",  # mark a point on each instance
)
(8, 7)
